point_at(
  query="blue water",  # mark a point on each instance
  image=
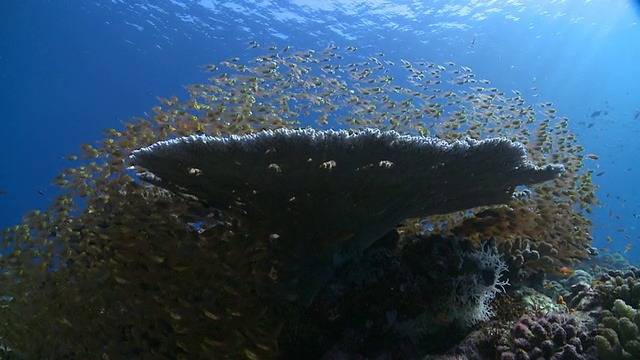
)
(69, 69)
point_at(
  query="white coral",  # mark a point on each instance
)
(477, 285)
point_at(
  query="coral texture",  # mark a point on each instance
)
(327, 195)
(120, 269)
(550, 336)
(477, 284)
(618, 335)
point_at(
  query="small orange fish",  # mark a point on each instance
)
(627, 248)
(608, 238)
(593, 156)
(548, 285)
(604, 249)
(566, 271)
(561, 301)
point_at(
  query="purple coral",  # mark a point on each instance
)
(521, 330)
(552, 336)
(560, 336)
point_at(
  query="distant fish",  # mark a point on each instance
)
(560, 301)
(596, 113)
(566, 271)
(2, 192)
(627, 248)
(637, 115)
(593, 156)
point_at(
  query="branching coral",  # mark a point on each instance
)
(476, 285)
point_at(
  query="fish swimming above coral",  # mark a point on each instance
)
(241, 197)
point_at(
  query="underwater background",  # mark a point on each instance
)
(71, 69)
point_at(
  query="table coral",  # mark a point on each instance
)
(325, 196)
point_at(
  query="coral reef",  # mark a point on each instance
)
(550, 336)
(582, 297)
(120, 269)
(395, 301)
(617, 284)
(575, 328)
(618, 292)
(526, 258)
(476, 285)
(338, 190)
(538, 303)
(618, 335)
